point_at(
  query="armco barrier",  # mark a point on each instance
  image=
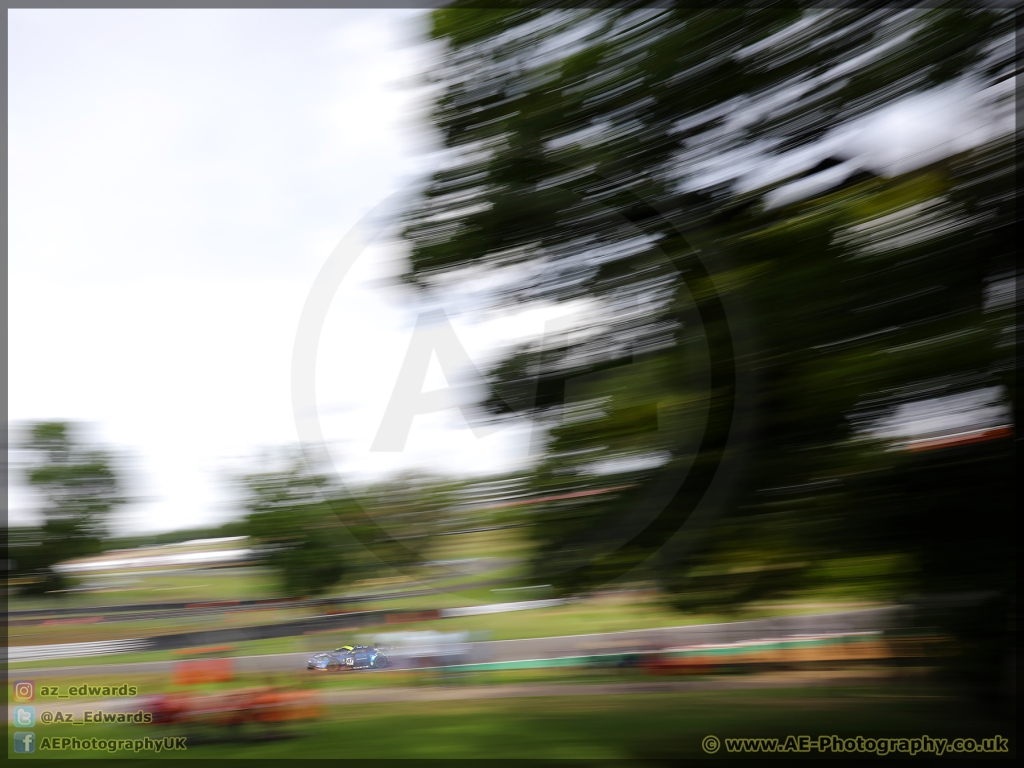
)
(267, 631)
(412, 616)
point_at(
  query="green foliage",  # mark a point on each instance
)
(79, 488)
(581, 152)
(315, 533)
(293, 520)
(408, 511)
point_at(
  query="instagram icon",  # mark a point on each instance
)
(24, 690)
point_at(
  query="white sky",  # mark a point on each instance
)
(176, 180)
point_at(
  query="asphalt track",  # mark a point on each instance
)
(526, 690)
(638, 640)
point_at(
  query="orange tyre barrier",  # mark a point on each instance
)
(198, 671)
(253, 705)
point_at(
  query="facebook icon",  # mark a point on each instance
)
(24, 741)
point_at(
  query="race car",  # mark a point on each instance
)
(350, 657)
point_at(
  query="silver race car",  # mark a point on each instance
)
(350, 657)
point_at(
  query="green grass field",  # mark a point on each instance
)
(163, 587)
(660, 726)
(112, 629)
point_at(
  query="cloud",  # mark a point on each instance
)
(176, 179)
(195, 143)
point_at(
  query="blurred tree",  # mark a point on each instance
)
(412, 508)
(293, 517)
(79, 487)
(873, 297)
(591, 148)
(315, 532)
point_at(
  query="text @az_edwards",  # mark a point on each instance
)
(96, 716)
